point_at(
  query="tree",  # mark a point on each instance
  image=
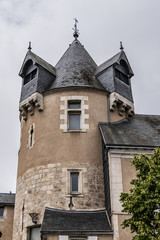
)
(143, 200)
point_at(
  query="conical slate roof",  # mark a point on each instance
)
(76, 68)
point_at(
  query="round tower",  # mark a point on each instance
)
(60, 163)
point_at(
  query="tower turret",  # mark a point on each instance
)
(60, 169)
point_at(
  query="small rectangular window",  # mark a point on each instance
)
(74, 121)
(74, 181)
(1, 212)
(35, 233)
(74, 105)
(74, 115)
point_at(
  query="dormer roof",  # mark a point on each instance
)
(37, 61)
(76, 68)
(7, 199)
(115, 60)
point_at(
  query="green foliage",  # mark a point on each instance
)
(143, 201)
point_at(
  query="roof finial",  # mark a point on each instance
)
(76, 31)
(29, 48)
(121, 46)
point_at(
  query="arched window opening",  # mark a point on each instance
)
(30, 76)
(29, 71)
(124, 67)
(123, 72)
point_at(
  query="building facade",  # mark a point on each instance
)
(78, 134)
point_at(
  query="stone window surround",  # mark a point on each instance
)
(64, 116)
(29, 136)
(80, 185)
(65, 237)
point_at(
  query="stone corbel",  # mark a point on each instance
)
(30, 108)
(130, 112)
(38, 101)
(123, 104)
(23, 113)
(121, 109)
(113, 104)
(29, 105)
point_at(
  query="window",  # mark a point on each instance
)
(30, 76)
(31, 136)
(1, 212)
(35, 233)
(122, 73)
(74, 182)
(74, 115)
(121, 76)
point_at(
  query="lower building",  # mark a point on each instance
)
(7, 201)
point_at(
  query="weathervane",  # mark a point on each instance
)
(121, 46)
(29, 48)
(76, 31)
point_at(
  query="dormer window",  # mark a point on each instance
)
(29, 71)
(74, 115)
(30, 76)
(122, 72)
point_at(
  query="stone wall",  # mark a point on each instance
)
(48, 186)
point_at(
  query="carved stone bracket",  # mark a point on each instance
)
(29, 105)
(123, 104)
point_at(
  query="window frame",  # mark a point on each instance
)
(79, 192)
(2, 216)
(71, 182)
(74, 111)
(30, 76)
(29, 230)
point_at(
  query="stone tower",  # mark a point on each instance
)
(61, 187)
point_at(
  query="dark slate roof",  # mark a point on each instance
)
(76, 68)
(56, 220)
(112, 61)
(37, 60)
(140, 131)
(7, 199)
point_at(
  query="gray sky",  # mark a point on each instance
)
(48, 25)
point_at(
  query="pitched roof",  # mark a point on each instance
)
(56, 220)
(7, 199)
(112, 61)
(76, 68)
(37, 60)
(140, 131)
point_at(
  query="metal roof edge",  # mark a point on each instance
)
(130, 147)
(102, 134)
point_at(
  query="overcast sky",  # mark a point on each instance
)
(48, 25)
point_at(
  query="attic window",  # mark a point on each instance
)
(30, 76)
(121, 76)
(122, 72)
(74, 115)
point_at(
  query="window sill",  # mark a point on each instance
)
(75, 131)
(75, 195)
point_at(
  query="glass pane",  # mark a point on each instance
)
(1, 211)
(35, 233)
(74, 121)
(74, 182)
(74, 105)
